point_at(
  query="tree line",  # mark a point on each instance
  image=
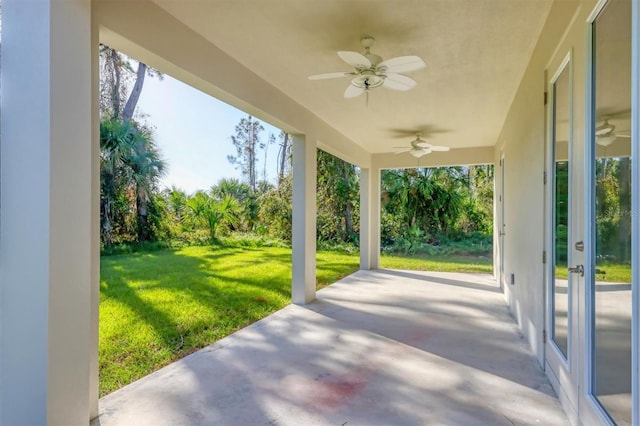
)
(419, 206)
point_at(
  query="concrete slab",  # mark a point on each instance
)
(377, 348)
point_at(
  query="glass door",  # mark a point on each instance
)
(562, 287)
(609, 281)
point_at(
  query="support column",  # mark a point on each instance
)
(370, 218)
(304, 220)
(46, 198)
(94, 364)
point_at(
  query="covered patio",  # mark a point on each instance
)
(489, 92)
(378, 347)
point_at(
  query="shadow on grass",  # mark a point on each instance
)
(188, 298)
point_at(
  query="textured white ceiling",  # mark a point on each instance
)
(476, 52)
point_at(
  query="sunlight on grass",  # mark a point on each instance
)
(614, 273)
(158, 307)
(439, 263)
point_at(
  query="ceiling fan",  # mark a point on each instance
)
(420, 147)
(606, 134)
(370, 71)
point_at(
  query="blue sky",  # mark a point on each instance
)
(193, 131)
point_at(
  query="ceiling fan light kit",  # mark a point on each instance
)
(419, 152)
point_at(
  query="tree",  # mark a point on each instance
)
(212, 212)
(246, 198)
(247, 142)
(337, 192)
(146, 169)
(427, 200)
(143, 161)
(284, 156)
(130, 169)
(117, 75)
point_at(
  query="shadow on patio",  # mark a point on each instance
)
(378, 347)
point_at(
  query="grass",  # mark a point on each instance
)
(441, 263)
(614, 272)
(159, 306)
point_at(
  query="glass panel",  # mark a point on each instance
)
(560, 290)
(611, 288)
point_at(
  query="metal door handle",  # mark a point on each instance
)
(578, 269)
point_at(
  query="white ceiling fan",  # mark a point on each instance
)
(370, 71)
(606, 134)
(420, 147)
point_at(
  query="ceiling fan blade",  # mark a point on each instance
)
(355, 59)
(399, 82)
(619, 135)
(439, 148)
(329, 75)
(403, 64)
(353, 91)
(403, 151)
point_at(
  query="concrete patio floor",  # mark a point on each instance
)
(376, 348)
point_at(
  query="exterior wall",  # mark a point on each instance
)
(47, 165)
(522, 142)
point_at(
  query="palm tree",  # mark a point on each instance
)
(146, 169)
(130, 164)
(212, 212)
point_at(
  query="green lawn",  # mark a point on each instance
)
(158, 307)
(614, 272)
(441, 263)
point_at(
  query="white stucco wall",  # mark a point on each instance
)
(522, 142)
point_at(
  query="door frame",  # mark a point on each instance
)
(590, 409)
(563, 373)
(502, 224)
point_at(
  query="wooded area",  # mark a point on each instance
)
(422, 209)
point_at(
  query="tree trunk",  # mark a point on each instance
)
(130, 106)
(624, 199)
(115, 92)
(348, 210)
(283, 157)
(142, 213)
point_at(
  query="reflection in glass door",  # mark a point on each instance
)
(611, 288)
(560, 293)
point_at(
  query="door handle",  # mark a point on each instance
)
(578, 269)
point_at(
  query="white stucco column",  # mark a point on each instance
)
(46, 218)
(369, 218)
(303, 289)
(94, 364)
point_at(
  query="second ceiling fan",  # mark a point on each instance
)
(370, 71)
(419, 147)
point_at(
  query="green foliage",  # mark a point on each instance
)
(247, 141)
(422, 208)
(205, 209)
(130, 167)
(613, 210)
(276, 211)
(337, 199)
